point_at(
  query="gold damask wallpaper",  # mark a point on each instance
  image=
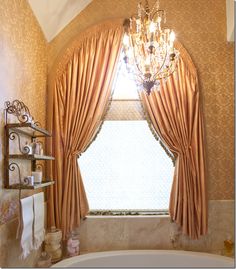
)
(201, 27)
(23, 73)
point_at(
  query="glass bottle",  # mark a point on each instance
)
(72, 244)
(33, 145)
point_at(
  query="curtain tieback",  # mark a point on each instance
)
(75, 154)
(187, 149)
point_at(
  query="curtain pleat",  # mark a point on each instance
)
(175, 113)
(78, 99)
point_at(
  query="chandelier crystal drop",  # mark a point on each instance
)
(148, 48)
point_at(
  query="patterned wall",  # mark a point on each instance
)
(23, 72)
(201, 27)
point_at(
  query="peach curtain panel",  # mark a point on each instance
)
(77, 102)
(176, 116)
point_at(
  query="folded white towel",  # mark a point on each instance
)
(39, 231)
(26, 225)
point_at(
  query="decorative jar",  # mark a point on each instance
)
(72, 244)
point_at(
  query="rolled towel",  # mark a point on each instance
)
(39, 231)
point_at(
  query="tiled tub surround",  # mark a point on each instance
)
(8, 210)
(10, 249)
(103, 233)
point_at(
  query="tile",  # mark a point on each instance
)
(103, 233)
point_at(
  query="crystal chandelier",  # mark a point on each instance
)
(148, 48)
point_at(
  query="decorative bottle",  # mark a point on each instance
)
(72, 244)
(33, 145)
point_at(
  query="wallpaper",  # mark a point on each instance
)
(199, 25)
(23, 71)
(201, 28)
(125, 110)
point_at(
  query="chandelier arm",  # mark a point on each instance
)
(155, 6)
(157, 12)
(170, 72)
(142, 8)
(167, 75)
(140, 76)
(136, 62)
(138, 69)
(146, 8)
(140, 73)
(161, 65)
(135, 58)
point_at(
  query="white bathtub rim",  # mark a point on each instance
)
(94, 255)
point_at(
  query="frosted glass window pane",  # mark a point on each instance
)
(126, 168)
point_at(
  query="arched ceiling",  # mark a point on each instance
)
(54, 15)
(230, 19)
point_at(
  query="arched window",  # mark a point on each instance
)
(126, 169)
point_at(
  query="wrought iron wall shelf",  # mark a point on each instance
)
(30, 157)
(33, 187)
(27, 127)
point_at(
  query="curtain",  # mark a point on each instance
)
(175, 113)
(78, 99)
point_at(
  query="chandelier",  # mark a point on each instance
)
(148, 48)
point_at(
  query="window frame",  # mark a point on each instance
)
(128, 212)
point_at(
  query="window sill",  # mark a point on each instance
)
(108, 213)
(126, 217)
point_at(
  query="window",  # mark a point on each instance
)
(125, 168)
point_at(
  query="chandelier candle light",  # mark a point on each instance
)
(148, 48)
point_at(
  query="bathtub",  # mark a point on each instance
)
(147, 258)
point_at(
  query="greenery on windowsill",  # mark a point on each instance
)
(126, 213)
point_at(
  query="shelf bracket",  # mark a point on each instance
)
(12, 136)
